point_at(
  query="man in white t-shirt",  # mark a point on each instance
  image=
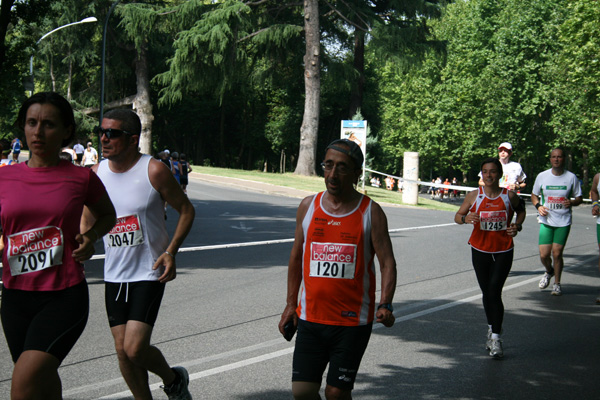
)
(551, 195)
(513, 177)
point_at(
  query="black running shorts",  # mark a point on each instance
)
(48, 321)
(340, 346)
(133, 301)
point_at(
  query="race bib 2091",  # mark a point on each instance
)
(35, 250)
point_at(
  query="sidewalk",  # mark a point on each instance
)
(251, 185)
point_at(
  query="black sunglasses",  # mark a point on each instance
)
(110, 133)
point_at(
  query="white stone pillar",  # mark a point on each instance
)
(410, 190)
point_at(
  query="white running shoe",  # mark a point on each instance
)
(488, 343)
(545, 281)
(496, 349)
(556, 290)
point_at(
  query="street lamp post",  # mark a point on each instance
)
(83, 21)
(103, 65)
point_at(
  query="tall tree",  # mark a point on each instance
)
(312, 82)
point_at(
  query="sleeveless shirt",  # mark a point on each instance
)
(495, 215)
(337, 263)
(140, 235)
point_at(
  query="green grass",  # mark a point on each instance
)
(315, 184)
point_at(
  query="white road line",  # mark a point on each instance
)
(279, 241)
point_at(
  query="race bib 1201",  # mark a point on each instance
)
(35, 250)
(333, 260)
(493, 220)
(127, 232)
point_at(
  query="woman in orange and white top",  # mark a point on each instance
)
(490, 210)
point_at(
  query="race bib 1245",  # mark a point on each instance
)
(493, 220)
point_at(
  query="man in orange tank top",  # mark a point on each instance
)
(338, 233)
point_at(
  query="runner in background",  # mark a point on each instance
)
(513, 177)
(490, 210)
(595, 195)
(551, 195)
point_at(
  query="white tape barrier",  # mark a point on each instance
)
(438, 185)
(453, 187)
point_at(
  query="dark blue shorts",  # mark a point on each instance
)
(342, 347)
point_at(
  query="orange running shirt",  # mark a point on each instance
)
(489, 236)
(337, 266)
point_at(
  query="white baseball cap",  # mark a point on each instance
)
(506, 145)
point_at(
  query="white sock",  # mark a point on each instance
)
(495, 336)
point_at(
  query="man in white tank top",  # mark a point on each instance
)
(140, 258)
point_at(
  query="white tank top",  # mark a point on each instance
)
(140, 235)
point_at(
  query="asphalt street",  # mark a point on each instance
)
(219, 317)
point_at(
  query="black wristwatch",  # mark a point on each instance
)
(387, 306)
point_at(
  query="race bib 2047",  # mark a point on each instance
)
(35, 250)
(332, 260)
(493, 220)
(127, 232)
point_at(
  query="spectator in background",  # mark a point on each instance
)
(4, 152)
(16, 149)
(446, 191)
(455, 192)
(90, 156)
(165, 157)
(176, 167)
(389, 183)
(71, 153)
(79, 149)
(513, 177)
(185, 170)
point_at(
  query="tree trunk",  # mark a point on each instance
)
(586, 167)
(142, 104)
(359, 65)
(52, 77)
(312, 88)
(70, 80)
(5, 15)
(221, 158)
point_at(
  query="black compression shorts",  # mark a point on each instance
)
(48, 321)
(340, 346)
(133, 301)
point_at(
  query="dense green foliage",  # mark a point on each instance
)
(518, 71)
(227, 87)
